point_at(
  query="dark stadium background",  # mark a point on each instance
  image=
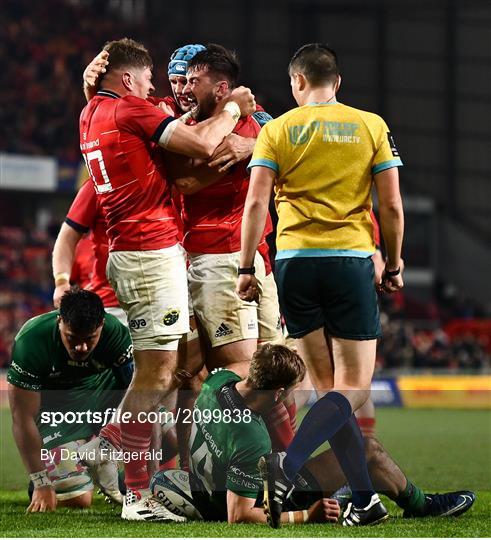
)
(425, 66)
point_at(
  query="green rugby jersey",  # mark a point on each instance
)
(41, 362)
(225, 450)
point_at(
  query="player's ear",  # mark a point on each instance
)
(127, 80)
(222, 89)
(301, 81)
(338, 84)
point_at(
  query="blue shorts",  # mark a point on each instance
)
(335, 293)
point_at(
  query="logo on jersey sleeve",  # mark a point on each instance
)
(171, 316)
(392, 145)
(261, 117)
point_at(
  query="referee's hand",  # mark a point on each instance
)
(390, 283)
(247, 288)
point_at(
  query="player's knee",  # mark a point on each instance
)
(80, 501)
(68, 475)
(156, 375)
(358, 397)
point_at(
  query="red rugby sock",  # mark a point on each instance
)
(367, 426)
(136, 437)
(279, 427)
(112, 433)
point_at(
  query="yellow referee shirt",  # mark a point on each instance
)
(325, 156)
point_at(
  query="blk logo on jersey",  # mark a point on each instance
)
(171, 317)
(392, 144)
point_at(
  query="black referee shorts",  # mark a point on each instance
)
(336, 293)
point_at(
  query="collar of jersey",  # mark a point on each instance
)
(229, 398)
(314, 103)
(108, 93)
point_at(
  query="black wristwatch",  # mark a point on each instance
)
(246, 270)
(392, 273)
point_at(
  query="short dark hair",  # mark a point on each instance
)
(219, 61)
(317, 62)
(274, 367)
(82, 310)
(127, 53)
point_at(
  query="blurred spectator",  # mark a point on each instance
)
(423, 344)
(25, 282)
(44, 47)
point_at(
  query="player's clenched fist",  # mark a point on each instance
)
(244, 99)
(324, 510)
(247, 288)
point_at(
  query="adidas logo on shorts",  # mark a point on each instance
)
(223, 330)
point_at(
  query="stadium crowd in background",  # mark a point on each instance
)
(45, 77)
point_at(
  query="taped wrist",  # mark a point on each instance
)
(40, 479)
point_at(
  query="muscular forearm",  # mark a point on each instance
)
(64, 249)
(213, 130)
(253, 223)
(28, 441)
(392, 224)
(195, 179)
(257, 515)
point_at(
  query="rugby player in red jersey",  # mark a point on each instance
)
(235, 148)
(212, 211)
(119, 137)
(85, 215)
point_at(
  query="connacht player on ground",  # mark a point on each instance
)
(323, 158)
(229, 436)
(119, 137)
(68, 362)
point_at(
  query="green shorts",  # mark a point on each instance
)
(335, 293)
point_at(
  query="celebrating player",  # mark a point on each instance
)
(64, 364)
(212, 213)
(119, 134)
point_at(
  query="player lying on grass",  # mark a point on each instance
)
(229, 436)
(66, 363)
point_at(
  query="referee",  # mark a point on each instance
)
(322, 159)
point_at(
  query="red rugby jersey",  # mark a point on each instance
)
(212, 217)
(86, 214)
(118, 138)
(82, 268)
(168, 100)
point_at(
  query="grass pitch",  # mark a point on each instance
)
(439, 450)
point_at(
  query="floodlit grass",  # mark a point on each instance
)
(439, 450)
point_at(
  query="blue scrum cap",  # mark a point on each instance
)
(178, 64)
